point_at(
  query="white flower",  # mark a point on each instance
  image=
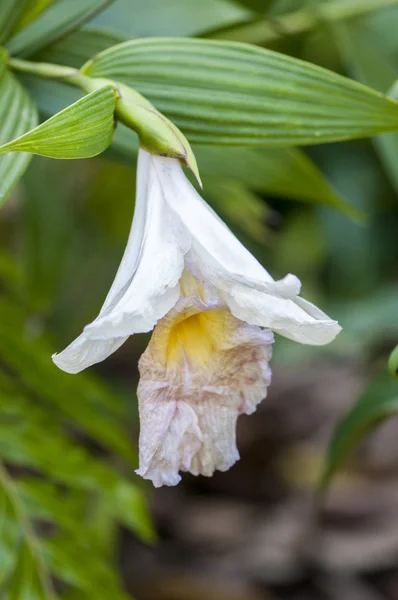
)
(184, 271)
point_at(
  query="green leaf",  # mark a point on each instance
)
(9, 537)
(60, 19)
(259, 6)
(33, 8)
(81, 130)
(285, 172)
(393, 362)
(18, 114)
(376, 403)
(82, 400)
(230, 93)
(372, 65)
(79, 46)
(50, 96)
(138, 18)
(71, 561)
(302, 16)
(65, 461)
(10, 11)
(30, 579)
(27, 580)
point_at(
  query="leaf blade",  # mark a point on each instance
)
(10, 11)
(57, 21)
(237, 94)
(376, 403)
(81, 130)
(16, 102)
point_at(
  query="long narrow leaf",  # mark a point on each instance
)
(30, 579)
(10, 11)
(18, 115)
(377, 402)
(371, 65)
(231, 93)
(60, 19)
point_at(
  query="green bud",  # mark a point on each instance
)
(157, 134)
(393, 362)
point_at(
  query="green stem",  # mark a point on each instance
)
(51, 71)
(264, 31)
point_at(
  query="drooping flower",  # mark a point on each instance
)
(185, 274)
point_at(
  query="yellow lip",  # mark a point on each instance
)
(196, 338)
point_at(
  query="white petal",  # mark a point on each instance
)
(222, 247)
(132, 251)
(146, 285)
(153, 287)
(295, 318)
(83, 353)
(248, 289)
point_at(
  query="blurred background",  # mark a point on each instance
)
(329, 214)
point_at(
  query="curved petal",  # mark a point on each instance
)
(210, 232)
(83, 353)
(295, 318)
(153, 287)
(129, 262)
(146, 285)
(246, 287)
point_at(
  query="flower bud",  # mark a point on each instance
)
(158, 135)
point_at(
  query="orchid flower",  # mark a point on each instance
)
(213, 308)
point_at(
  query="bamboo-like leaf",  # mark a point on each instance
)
(33, 8)
(230, 93)
(60, 19)
(10, 11)
(9, 537)
(294, 17)
(372, 65)
(30, 579)
(142, 18)
(79, 46)
(284, 172)
(63, 460)
(81, 130)
(72, 562)
(375, 404)
(77, 399)
(18, 114)
(26, 581)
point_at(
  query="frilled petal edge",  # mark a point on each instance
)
(201, 370)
